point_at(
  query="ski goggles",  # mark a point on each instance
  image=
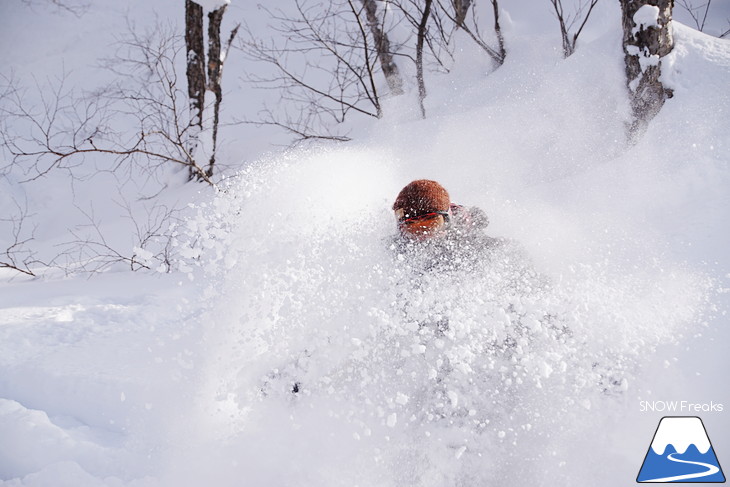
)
(404, 219)
(423, 224)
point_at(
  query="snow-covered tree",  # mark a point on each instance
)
(647, 38)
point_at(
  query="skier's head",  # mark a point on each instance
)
(422, 209)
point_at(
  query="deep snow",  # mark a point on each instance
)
(129, 379)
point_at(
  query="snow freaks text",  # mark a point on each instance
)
(679, 407)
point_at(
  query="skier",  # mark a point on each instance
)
(440, 240)
(424, 210)
(440, 250)
(442, 246)
(438, 245)
(435, 234)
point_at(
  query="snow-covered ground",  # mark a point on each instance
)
(130, 379)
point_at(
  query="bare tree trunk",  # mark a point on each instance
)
(195, 73)
(647, 38)
(567, 48)
(419, 55)
(461, 8)
(382, 45)
(566, 21)
(216, 58)
(498, 31)
(215, 67)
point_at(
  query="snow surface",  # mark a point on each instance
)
(186, 379)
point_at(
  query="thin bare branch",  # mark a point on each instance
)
(567, 21)
(324, 68)
(17, 255)
(697, 13)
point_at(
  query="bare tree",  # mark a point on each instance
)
(434, 24)
(85, 135)
(90, 251)
(195, 56)
(69, 126)
(216, 58)
(75, 7)
(461, 9)
(459, 16)
(647, 38)
(74, 125)
(501, 53)
(133, 129)
(324, 68)
(698, 13)
(196, 73)
(432, 32)
(17, 255)
(382, 47)
(568, 21)
(422, 29)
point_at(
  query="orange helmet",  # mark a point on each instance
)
(422, 196)
(422, 208)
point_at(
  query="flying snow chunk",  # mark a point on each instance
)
(401, 399)
(453, 398)
(681, 452)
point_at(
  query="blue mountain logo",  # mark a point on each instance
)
(681, 452)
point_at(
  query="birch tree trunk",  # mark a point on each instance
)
(382, 46)
(422, 27)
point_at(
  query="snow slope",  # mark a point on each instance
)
(187, 378)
